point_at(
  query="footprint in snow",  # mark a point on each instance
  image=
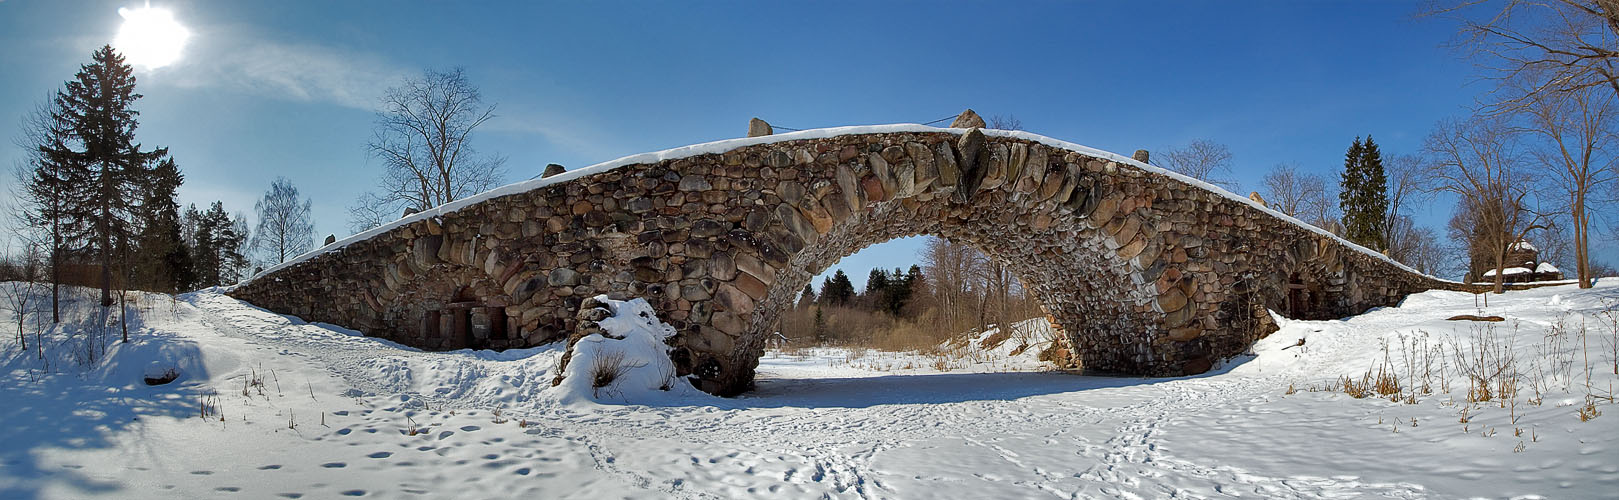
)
(294, 496)
(334, 465)
(344, 431)
(354, 493)
(270, 467)
(228, 489)
(471, 428)
(381, 454)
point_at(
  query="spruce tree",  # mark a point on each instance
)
(1364, 198)
(839, 291)
(806, 298)
(162, 261)
(97, 103)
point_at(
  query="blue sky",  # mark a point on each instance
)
(269, 89)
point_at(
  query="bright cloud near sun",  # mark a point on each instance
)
(150, 37)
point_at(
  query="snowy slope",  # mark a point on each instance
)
(1262, 426)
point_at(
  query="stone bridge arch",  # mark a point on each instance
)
(1145, 272)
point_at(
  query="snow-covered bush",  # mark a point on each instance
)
(627, 361)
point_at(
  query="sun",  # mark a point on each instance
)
(150, 37)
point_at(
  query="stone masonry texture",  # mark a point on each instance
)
(1141, 273)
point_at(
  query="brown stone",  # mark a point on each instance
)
(751, 285)
(873, 188)
(1132, 249)
(967, 119)
(1106, 207)
(1171, 300)
(758, 128)
(753, 266)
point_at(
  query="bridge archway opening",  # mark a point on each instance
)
(1091, 296)
(944, 304)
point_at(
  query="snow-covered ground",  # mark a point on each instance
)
(297, 410)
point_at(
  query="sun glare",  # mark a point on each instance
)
(150, 37)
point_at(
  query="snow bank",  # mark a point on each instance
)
(1546, 267)
(722, 146)
(628, 362)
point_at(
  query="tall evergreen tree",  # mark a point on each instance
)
(1364, 197)
(806, 298)
(898, 291)
(162, 261)
(837, 290)
(97, 103)
(875, 296)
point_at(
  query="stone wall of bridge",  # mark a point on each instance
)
(1142, 272)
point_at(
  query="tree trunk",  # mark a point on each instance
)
(56, 281)
(123, 316)
(1500, 268)
(1581, 259)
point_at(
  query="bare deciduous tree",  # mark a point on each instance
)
(286, 228)
(1407, 182)
(1005, 122)
(1477, 161)
(370, 210)
(1414, 245)
(423, 137)
(1203, 159)
(952, 270)
(1536, 47)
(1424, 252)
(19, 277)
(1577, 129)
(1297, 194)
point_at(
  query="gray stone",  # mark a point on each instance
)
(563, 276)
(552, 169)
(694, 183)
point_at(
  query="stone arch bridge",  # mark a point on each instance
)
(1143, 272)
